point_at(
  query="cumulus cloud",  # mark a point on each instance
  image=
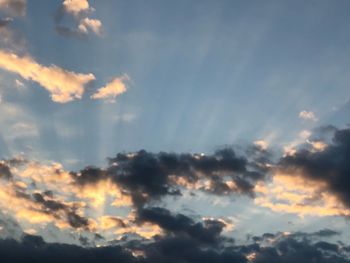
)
(112, 89)
(262, 144)
(63, 85)
(307, 115)
(179, 224)
(88, 24)
(82, 24)
(327, 165)
(295, 194)
(75, 7)
(313, 180)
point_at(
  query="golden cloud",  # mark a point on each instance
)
(63, 85)
(113, 89)
(292, 193)
(75, 7)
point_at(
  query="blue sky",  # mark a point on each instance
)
(201, 74)
(183, 77)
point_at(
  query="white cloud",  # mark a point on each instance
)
(88, 24)
(304, 134)
(263, 145)
(79, 10)
(307, 115)
(19, 84)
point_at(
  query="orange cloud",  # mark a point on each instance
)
(75, 7)
(113, 89)
(63, 85)
(292, 193)
(147, 230)
(108, 222)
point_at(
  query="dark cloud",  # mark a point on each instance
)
(186, 250)
(181, 225)
(56, 208)
(65, 25)
(147, 176)
(69, 32)
(179, 249)
(4, 22)
(326, 233)
(5, 171)
(330, 166)
(34, 249)
(289, 249)
(11, 39)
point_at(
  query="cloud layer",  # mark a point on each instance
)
(89, 204)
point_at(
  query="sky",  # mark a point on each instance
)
(174, 131)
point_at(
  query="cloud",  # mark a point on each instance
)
(307, 115)
(263, 145)
(279, 247)
(149, 176)
(313, 179)
(13, 7)
(63, 85)
(141, 230)
(19, 84)
(295, 194)
(37, 250)
(46, 194)
(88, 24)
(4, 22)
(75, 7)
(180, 223)
(113, 89)
(10, 39)
(82, 24)
(328, 165)
(5, 171)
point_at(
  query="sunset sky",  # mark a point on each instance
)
(174, 131)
